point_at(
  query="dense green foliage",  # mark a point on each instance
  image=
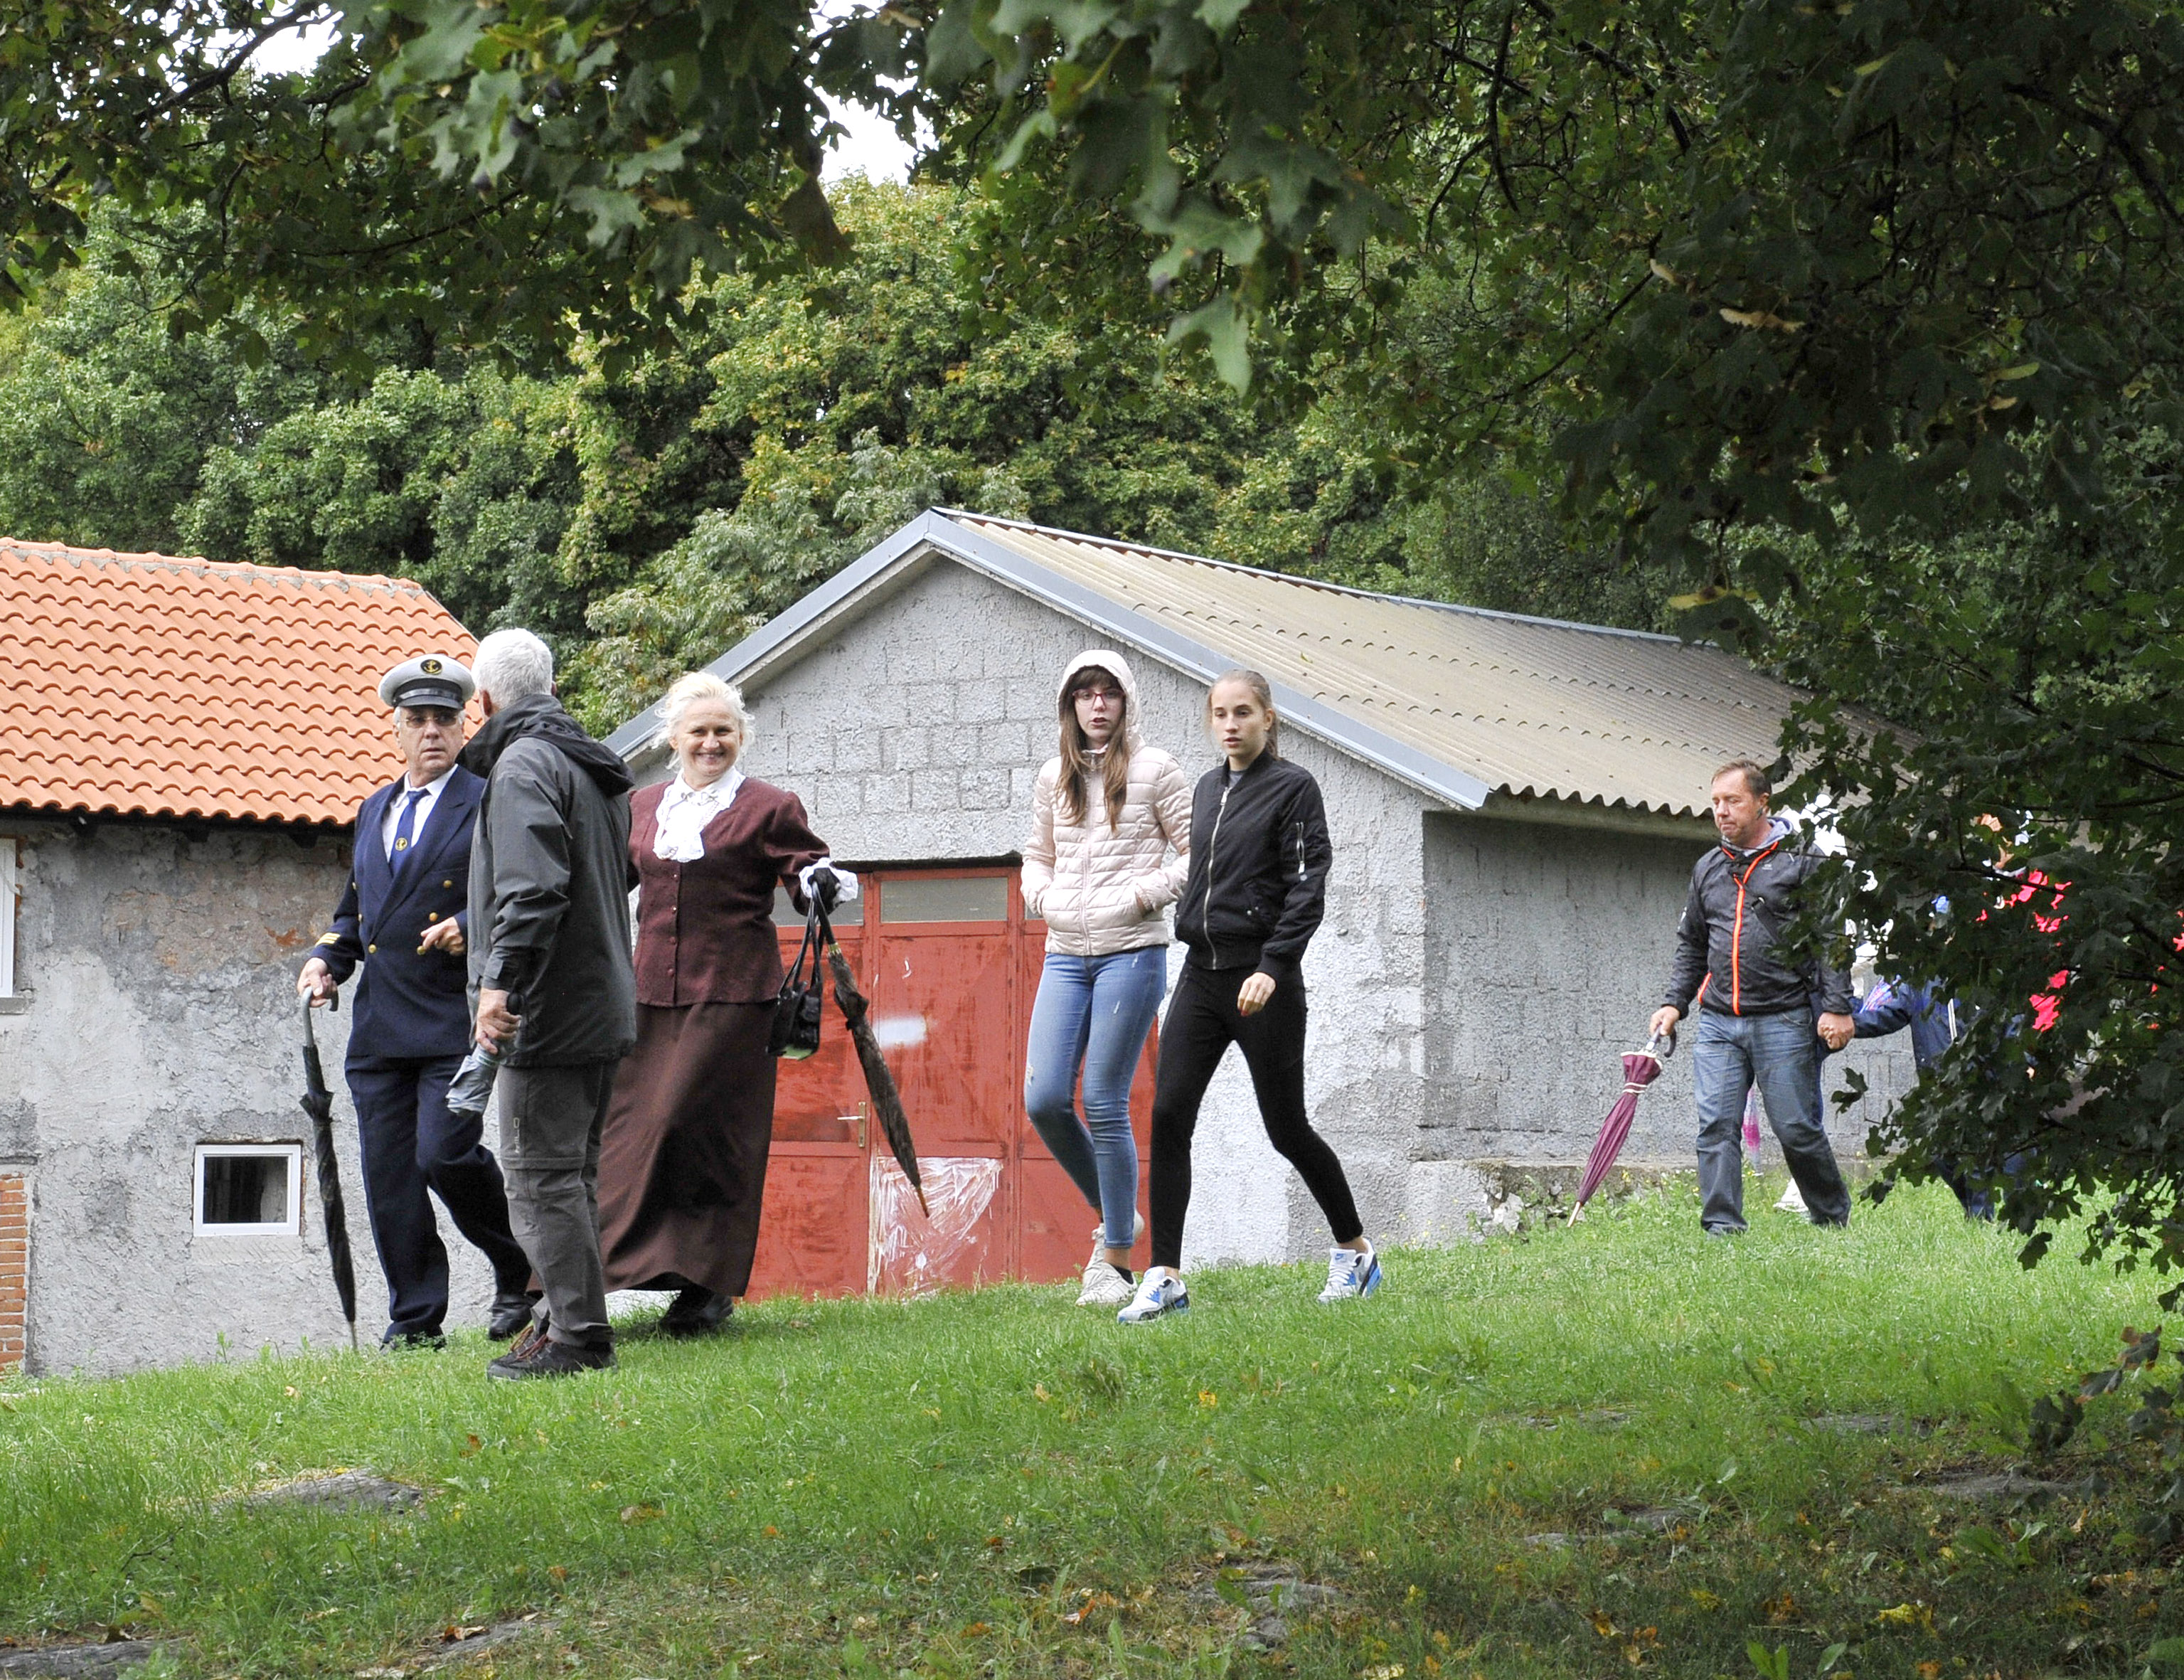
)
(647, 517)
(1564, 1454)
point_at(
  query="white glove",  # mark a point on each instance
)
(846, 884)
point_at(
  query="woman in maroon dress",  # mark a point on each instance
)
(683, 1160)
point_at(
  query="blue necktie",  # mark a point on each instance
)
(403, 829)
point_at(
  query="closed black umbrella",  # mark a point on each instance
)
(318, 1103)
(879, 1079)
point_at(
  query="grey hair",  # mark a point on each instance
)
(513, 663)
(692, 686)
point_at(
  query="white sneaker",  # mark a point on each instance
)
(1350, 1276)
(1793, 1201)
(1105, 1285)
(1160, 1292)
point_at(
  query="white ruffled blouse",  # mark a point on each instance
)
(684, 813)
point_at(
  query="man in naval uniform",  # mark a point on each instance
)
(404, 917)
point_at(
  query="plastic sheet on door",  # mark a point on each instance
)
(912, 1254)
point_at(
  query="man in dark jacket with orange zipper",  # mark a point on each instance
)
(1761, 1022)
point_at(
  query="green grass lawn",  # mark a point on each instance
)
(1733, 1442)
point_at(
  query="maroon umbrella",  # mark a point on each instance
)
(1641, 1068)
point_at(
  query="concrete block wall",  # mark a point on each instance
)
(161, 1013)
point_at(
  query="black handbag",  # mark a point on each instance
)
(795, 1033)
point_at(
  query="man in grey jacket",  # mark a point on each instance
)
(554, 990)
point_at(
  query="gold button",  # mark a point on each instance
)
(447, 883)
(371, 947)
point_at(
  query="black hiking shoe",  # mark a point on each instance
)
(546, 1357)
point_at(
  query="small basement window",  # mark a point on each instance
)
(249, 1189)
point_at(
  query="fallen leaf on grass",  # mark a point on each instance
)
(1601, 1624)
(1704, 1599)
(454, 1633)
(557, 1571)
(1928, 1671)
(977, 1630)
(1386, 1670)
(1092, 1601)
(640, 1513)
(1908, 1614)
(1206, 1396)
(1780, 1609)
(1039, 1392)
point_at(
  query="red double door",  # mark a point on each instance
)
(951, 967)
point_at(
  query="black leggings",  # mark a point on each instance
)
(1202, 1022)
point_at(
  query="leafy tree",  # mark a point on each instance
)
(509, 176)
(105, 419)
(1861, 323)
(466, 484)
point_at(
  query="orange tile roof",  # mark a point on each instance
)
(136, 684)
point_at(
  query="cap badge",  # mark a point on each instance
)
(431, 668)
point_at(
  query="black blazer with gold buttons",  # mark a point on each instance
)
(411, 1005)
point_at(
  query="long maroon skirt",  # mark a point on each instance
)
(683, 1159)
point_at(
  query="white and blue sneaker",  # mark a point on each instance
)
(1160, 1292)
(1350, 1276)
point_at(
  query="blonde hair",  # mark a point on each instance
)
(692, 686)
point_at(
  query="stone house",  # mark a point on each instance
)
(182, 748)
(1515, 804)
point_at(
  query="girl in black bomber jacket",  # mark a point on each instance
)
(1258, 889)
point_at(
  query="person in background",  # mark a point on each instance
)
(1255, 894)
(1761, 1022)
(411, 863)
(1891, 1007)
(1109, 852)
(555, 994)
(682, 1162)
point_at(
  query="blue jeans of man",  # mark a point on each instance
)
(411, 1145)
(1092, 1014)
(1781, 1055)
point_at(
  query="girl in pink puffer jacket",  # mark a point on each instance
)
(1108, 854)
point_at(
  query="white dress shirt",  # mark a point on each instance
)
(393, 820)
(685, 812)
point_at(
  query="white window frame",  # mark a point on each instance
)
(10, 903)
(293, 1154)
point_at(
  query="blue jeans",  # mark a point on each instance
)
(1093, 1012)
(1781, 1055)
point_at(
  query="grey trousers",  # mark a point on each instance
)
(550, 1122)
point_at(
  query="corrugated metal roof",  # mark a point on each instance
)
(1472, 707)
(1532, 707)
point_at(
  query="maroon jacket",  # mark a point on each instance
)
(704, 930)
